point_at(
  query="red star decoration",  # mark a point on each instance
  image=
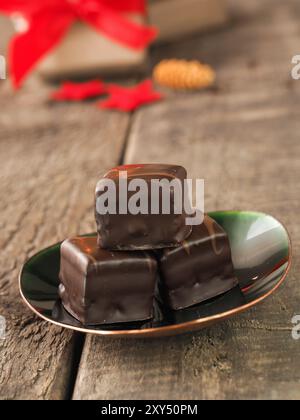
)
(128, 99)
(69, 91)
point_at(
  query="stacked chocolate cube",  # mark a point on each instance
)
(112, 277)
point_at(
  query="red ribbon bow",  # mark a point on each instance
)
(49, 21)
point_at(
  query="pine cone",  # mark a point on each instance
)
(184, 75)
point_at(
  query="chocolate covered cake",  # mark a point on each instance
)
(106, 287)
(110, 278)
(199, 269)
(147, 230)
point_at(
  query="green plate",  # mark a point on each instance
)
(261, 253)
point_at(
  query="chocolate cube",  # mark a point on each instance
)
(150, 226)
(104, 287)
(198, 270)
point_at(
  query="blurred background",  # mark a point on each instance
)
(240, 133)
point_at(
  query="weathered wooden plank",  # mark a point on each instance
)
(244, 140)
(51, 156)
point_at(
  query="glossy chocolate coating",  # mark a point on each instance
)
(104, 287)
(143, 231)
(198, 270)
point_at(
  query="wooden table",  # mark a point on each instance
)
(243, 138)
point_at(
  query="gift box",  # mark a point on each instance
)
(177, 18)
(68, 38)
(63, 38)
(84, 52)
